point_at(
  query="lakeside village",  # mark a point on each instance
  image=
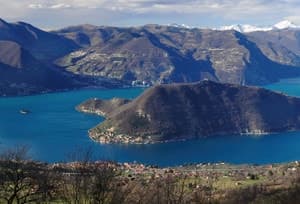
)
(219, 175)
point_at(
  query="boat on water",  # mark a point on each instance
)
(24, 111)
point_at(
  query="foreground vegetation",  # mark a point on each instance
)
(85, 182)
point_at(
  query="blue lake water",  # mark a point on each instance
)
(54, 129)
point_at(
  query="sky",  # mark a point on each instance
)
(54, 14)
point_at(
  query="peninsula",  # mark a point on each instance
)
(185, 111)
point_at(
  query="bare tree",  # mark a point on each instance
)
(20, 177)
(77, 178)
(102, 183)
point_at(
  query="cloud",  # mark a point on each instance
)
(213, 12)
(230, 7)
(60, 6)
(295, 19)
(49, 6)
(35, 6)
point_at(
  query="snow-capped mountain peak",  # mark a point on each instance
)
(285, 24)
(245, 28)
(250, 28)
(179, 25)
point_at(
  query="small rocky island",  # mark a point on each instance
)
(184, 111)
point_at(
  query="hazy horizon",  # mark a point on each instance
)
(54, 14)
(222, 27)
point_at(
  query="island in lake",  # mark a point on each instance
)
(185, 111)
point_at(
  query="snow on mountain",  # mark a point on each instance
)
(179, 25)
(245, 28)
(250, 28)
(285, 24)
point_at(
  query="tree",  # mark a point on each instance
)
(78, 176)
(104, 185)
(20, 177)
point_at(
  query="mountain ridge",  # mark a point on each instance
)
(170, 54)
(27, 57)
(109, 56)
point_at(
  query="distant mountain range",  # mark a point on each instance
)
(183, 111)
(159, 54)
(88, 55)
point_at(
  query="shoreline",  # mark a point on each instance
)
(121, 87)
(109, 137)
(66, 90)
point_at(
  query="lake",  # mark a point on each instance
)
(55, 129)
